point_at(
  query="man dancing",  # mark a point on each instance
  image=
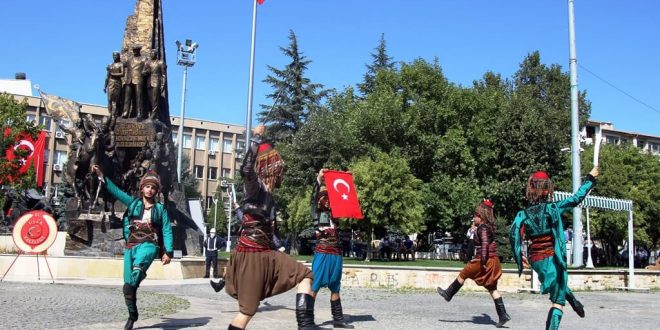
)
(541, 222)
(327, 262)
(256, 271)
(146, 226)
(485, 268)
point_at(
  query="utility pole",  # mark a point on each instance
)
(575, 138)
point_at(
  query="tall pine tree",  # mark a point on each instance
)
(294, 95)
(381, 61)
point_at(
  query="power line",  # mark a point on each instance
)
(619, 89)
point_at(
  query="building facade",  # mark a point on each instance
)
(607, 134)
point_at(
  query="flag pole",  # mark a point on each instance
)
(248, 120)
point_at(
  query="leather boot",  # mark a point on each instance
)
(554, 318)
(232, 327)
(305, 311)
(130, 298)
(575, 304)
(338, 320)
(218, 286)
(501, 312)
(451, 290)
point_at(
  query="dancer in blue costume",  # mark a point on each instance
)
(146, 227)
(541, 222)
(327, 263)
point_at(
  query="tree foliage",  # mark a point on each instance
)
(424, 151)
(294, 96)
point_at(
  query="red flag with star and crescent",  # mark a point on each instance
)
(261, 2)
(34, 153)
(342, 194)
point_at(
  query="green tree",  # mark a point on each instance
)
(390, 195)
(294, 95)
(299, 217)
(13, 122)
(188, 180)
(219, 222)
(626, 173)
(381, 61)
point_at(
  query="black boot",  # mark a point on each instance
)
(451, 290)
(338, 320)
(501, 312)
(231, 327)
(218, 286)
(305, 311)
(577, 306)
(130, 298)
(554, 318)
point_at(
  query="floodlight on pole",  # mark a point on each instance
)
(186, 57)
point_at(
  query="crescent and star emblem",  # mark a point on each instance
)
(28, 145)
(341, 182)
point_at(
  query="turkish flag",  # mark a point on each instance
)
(35, 154)
(342, 194)
(261, 2)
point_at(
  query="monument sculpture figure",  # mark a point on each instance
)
(114, 82)
(133, 89)
(155, 71)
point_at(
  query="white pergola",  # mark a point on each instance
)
(611, 204)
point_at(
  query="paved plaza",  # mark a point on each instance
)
(192, 304)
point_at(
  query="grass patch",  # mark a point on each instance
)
(159, 304)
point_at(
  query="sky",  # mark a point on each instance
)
(65, 46)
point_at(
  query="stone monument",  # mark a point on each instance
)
(136, 138)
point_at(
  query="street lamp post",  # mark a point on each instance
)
(186, 56)
(590, 262)
(215, 212)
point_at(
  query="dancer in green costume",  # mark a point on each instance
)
(146, 227)
(541, 222)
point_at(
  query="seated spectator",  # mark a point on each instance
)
(385, 248)
(409, 248)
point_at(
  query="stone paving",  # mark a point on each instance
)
(192, 304)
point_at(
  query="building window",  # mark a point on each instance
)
(63, 123)
(640, 144)
(612, 139)
(31, 118)
(199, 172)
(226, 146)
(60, 157)
(226, 172)
(46, 153)
(654, 148)
(45, 121)
(200, 142)
(174, 138)
(240, 149)
(209, 202)
(187, 140)
(213, 173)
(213, 144)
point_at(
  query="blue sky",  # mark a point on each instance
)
(64, 46)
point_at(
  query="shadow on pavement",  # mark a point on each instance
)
(179, 323)
(483, 319)
(265, 306)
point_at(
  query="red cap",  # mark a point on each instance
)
(541, 175)
(488, 203)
